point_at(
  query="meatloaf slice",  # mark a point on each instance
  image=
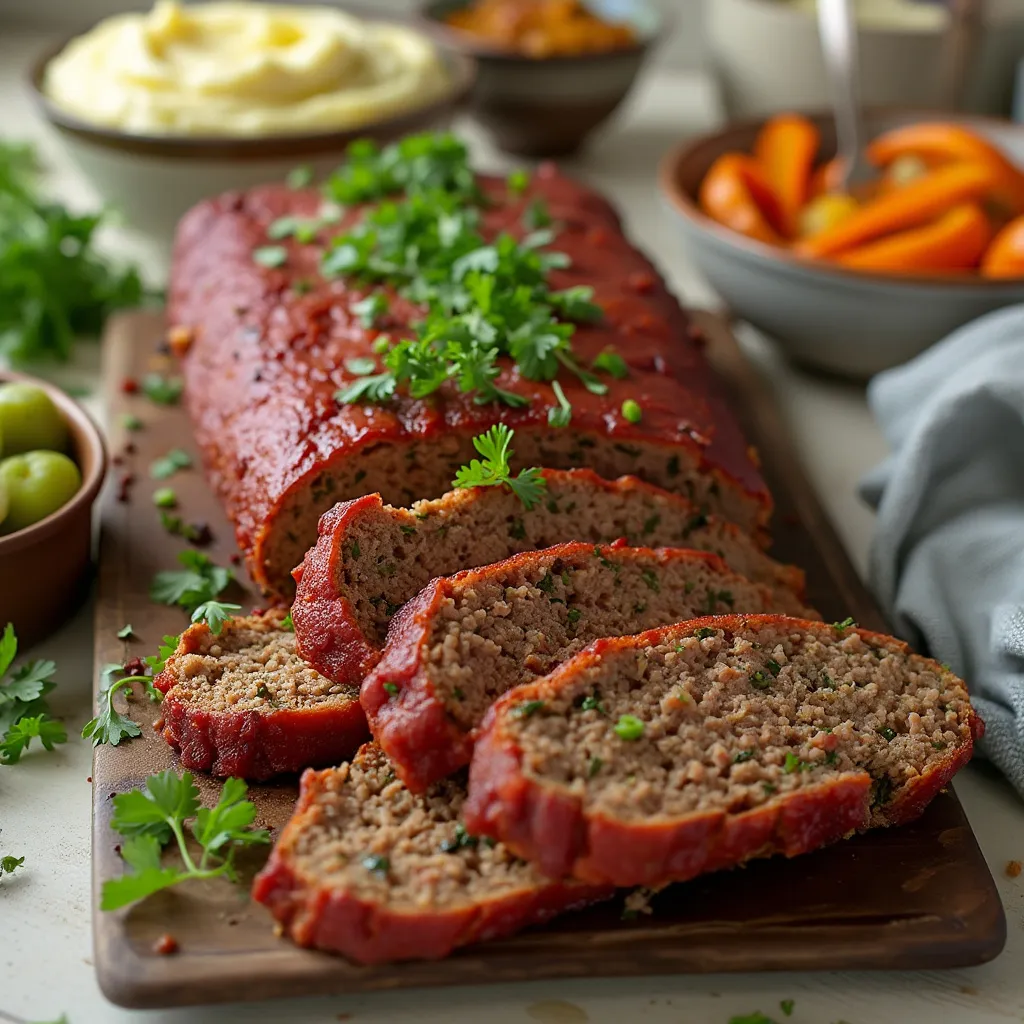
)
(466, 639)
(371, 558)
(653, 758)
(243, 703)
(367, 869)
(272, 345)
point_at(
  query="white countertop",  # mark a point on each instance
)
(46, 948)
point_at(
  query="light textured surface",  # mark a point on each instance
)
(45, 964)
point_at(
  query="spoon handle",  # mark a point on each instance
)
(837, 28)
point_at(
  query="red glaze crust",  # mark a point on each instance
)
(252, 744)
(340, 922)
(549, 826)
(264, 362)
(413, 726)
(327, 633)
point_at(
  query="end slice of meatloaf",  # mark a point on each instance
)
(371, 558)
(466, 639)
(271, 346)
(366, 869)
(653, 758)
(243, 703)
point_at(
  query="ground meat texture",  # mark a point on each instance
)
(243, 703)
(653, 758)
(267, 357)
(366, 869)
(370, 558)
(466, 639)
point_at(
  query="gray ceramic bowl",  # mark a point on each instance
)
(547, 107)
(848, 322)
(154, 179)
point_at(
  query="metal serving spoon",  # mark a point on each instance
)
(837, 28)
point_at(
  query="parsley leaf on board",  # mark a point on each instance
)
(200, 581)
(154, 816)
(24, 711)
(167, 465)
(162, 390)
(493, 469)
(54, 286)
(125, 632)
(215, 614)
(110, 726)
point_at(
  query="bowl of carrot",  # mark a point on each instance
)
(857, 281)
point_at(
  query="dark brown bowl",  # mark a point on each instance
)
(546, 107)
(44, 568)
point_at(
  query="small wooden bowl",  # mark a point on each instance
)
(44, 568)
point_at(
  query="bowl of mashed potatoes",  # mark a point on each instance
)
(163, 108)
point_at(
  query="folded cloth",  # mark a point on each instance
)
(947, 560)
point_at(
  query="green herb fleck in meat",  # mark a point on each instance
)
(629, 728)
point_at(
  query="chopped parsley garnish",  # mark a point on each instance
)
(595, 766)
(651, 580)
(629, 728)
(560, 415)
(651, 524)
(169, 464)
(887, 733)
(518, 181)
(744, 755)
(528, 708)
(517, 530)
(200, 581)
(759, 681)
(827, 683)
(704, 632)
(795, 764)
(573, 615)
(715, 597)
(773, 666)
(493, 468)
(286, 623)
(612, 363)
(270, 256)
(631, 411)
(150, 818)
(215, 614)
(8, 864)
(156, 662)
(846, 624)
(592, 702)
(162, 390)
(300, 177)
(882, 791)
(462, 840)
(371, 309)
(125, 632)
(165, 497)
(392, 689)
(377, 864)
(360, 366)
(536, 215)
(24, 710)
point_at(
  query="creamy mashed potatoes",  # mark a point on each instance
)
(243, 69)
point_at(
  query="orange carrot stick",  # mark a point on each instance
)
(735, 193)
(918, 203)
(956, 241)
(1004, 258)
(785, 150)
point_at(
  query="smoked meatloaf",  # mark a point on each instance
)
(653, 758)
(371, 558)
(268, 347)
(243, 703)
(466, 639)
(366, 869)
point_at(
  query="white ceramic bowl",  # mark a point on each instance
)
(154, 179)
(845, 321)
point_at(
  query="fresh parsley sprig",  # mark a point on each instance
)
(110, 726)
(492, 470)
(152, 817)
(200, 581)
(215, 614)
(24, 710)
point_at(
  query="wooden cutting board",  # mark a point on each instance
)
(915, 897)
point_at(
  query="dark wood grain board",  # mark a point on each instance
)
(916, 897)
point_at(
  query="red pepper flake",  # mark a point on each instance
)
(696, 335)
(642, 282)
(117, 849)
(547, 169)
(129, 385)
(134, 667)
(258, 612)
(236, 559)
(597, 237)
(129, 448)
(166, 945)
(1014, 868)
(117, 460)
(88, 779)
(124, 482)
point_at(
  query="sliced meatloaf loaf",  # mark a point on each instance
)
(371, 558)
(653, 758)
(243, 703)
(272, 341)
(466, 639)
(366, 869)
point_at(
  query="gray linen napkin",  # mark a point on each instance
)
(947, 560)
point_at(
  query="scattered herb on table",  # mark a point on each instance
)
(165, 497)
(8, 865)
(169, 464)
(131, 422)
(493, 469)
(125, 632)
(162, 390)
(201, 580)
(786, 1005)
(150, 818)
(752, 1018)
(54, 286)
(24, 710)
(110, 726)
(215, 614)
(300, 177)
